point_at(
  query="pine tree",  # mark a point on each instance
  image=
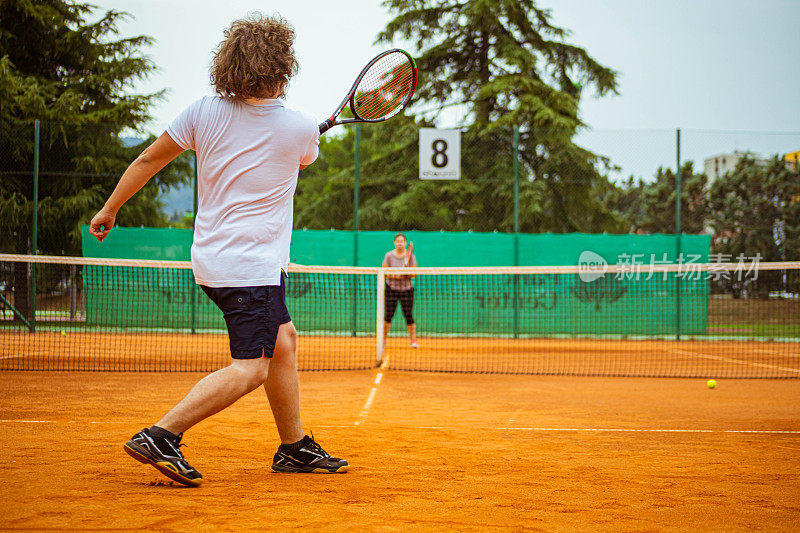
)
(505, 64)
(503, 58)
(649, 207)
(75, 77)
(755, 209)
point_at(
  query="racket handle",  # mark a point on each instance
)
(325, 126)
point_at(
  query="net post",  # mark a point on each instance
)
(34, 236)
(678, 231)
(380, 281)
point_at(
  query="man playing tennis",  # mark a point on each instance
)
(249, 150)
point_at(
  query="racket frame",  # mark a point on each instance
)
(349, 99)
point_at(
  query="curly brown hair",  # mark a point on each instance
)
(256, 59)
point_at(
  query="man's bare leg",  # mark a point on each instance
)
(282, 386)
(297, 452)
(215, 392)
(386, 327)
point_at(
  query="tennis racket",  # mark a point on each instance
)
(409, 254)
(383, 89)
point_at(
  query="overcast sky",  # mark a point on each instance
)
(695, 64)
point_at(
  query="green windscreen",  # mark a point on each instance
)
(432, 248)
(452, 304)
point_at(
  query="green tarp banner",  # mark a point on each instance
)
(433, 248)
(614, 304)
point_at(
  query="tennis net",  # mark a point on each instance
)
(711, 320)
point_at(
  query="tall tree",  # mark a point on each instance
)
(503, 59)
(506, 65)
(755, 209)
(75, 77)
(649, 207)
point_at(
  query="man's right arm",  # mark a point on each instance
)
(311, 151)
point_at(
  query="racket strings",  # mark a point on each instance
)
(385, 87)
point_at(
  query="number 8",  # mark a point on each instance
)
(439, 158)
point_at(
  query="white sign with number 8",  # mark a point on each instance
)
(439, 154)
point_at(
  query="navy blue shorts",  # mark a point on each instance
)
(253, 316)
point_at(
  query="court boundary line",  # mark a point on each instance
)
(773, 352)
(657, 430)
(368, 404)
(737, 361)
(30, 422)
(597, 430)
(491, 428)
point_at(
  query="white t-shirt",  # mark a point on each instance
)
(248, 157)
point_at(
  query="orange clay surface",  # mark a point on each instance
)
(81, 350)
(429, 452)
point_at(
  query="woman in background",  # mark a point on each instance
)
(399, 288)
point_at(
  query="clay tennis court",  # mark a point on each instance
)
(429, 451)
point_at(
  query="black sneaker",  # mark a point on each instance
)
(307, 457)
(163, 453)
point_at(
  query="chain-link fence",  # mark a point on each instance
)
(55, 176)
(741, 187)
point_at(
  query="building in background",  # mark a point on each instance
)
(719, 165)
(793, 160)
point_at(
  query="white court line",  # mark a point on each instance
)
(370, 398)
(488, 428)
(12, 356)
(737, 361)
(773, 352)
(758, 431)
(624, 430)
(28, 422)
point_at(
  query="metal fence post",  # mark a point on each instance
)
(34, 229)
(73, 292)
(516, 186)
(678, 230)
(357, 176)
(516, 229)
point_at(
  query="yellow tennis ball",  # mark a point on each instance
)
(711, 384)
(63, 332)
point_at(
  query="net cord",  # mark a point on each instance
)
(293, 267)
